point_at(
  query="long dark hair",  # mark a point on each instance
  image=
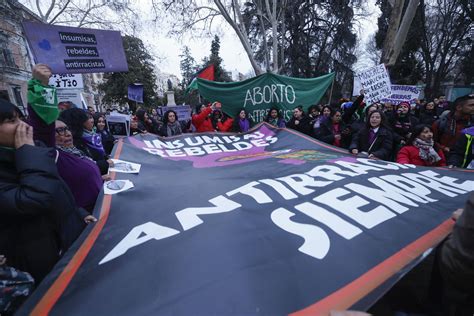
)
(383, 121)
(165, 117)
(8, 111)
(74, 118)
(269, 117)
(417, 131)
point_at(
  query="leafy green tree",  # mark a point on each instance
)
(140, 70)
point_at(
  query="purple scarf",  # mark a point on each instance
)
(244, 125)
(93, 140)
(372, 136)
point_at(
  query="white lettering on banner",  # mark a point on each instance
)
(274, 93)
(376, 83)
(202, 145)
(367, 206)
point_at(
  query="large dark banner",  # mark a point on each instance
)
(268, 222)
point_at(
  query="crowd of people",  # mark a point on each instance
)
(47, 201)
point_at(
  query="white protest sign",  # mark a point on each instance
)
(67, 81)
(357, 86)
(402, 93)
(376, 83)
(118, 124)
(69, 98)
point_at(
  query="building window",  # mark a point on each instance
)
(6, 56)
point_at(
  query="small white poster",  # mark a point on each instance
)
(117, 186)
(123, 166)
(376, 83)
(66, 81)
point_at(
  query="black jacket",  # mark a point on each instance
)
(38, 213)
(461, 155)
(382, 146)
(326, 135)
(304, 126)
(98, 157)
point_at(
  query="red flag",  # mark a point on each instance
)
(207, 73)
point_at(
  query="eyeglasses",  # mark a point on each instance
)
(62, 130)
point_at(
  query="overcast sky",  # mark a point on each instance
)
(234, 57)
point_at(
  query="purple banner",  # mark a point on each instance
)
(135, 92)
(76, 50)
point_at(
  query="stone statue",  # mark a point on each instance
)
(170, 85)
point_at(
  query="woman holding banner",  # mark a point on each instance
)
(171, 125)
(421, 150)
(374, 139)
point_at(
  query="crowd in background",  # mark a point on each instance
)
(47, 201)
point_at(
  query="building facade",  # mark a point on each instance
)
(15, 57)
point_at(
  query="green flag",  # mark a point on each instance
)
(43, 100)
(257, 95)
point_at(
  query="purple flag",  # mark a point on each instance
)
(76, 50)
(135, 92)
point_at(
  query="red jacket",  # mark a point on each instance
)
(202, 122)
(411, 155)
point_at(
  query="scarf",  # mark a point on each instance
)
(43, 100)
(173, 129)
(427, 152)
(336, 129)
(93, 141)
(244, 125)
(372, 135)
(74, 151)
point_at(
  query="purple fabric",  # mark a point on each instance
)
(41, 131)
(82, 177)
(94, 141)
(244, 125)
(372, 136)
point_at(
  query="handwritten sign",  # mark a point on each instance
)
(376, 83)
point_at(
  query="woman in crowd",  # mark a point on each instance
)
(81, 125)
(39, 218)
(242, 123)
(144, 123)
(374, 139)
(221, 122)
(300, 122)
(402, 123)
(428, 114)
(274, 118)
(171, 125)
(107, 138)
(333, 131)
(421, 149)
(463, 151)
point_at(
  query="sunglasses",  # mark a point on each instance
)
(62, 130)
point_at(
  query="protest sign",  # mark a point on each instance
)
(183, 111)
(135, 92)
(70, 98)
(376, 83)
(403, 93)
(257, 95)
(118, 124)
(76, 50)
(267, 222)
(66, 81)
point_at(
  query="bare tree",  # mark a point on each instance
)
(84, 13)
(189, 15)
(397, 30)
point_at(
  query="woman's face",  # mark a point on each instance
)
(297, 113)
(326, 112)
(426, 134)
(89, 124)
(153, 112)
(63, 135)
(171, 117)
(242, 114)
(101, 123)
(336, 118)
(8, 130)
(375, 120)
(134, 124)
(403, 109)
(274, 114)
(429, 106)
(314, 112)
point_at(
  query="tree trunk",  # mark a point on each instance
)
(395, 16)
(402, 32)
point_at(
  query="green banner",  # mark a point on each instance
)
(257, 95)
